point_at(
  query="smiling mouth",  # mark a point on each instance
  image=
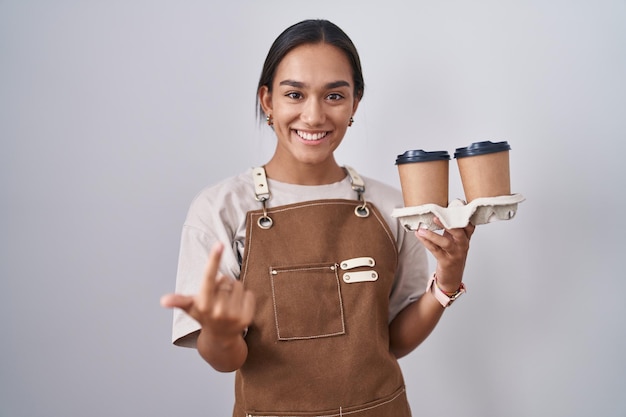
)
(311, 136)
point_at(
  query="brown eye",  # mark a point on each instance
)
(334, 96)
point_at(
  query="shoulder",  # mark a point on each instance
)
(225, 187)
(385, 196)
(226, 200)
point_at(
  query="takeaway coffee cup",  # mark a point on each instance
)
(424, 177)
(484, 169)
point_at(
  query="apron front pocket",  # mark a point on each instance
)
(307, 301)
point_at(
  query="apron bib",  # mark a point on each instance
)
(321, 273)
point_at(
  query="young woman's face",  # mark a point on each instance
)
(311, 104)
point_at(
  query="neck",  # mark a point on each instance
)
(304, 174)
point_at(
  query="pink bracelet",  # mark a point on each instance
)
(444, 298)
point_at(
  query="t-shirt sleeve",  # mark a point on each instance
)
(194, 249)
(216, 214)
(412, 273)
(195, 246)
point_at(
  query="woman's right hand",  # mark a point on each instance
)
(223, 307)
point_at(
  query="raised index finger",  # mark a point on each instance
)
(212, 265)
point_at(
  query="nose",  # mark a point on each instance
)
(313, 112)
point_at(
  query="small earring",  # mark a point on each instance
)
(351, 121)
(269, 120)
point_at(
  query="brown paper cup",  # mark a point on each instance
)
(424, 177)
(484, 169)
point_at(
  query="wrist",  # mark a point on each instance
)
(224, 354)
(446, 289)
(446, 282)
(445, 298)
(219, 341)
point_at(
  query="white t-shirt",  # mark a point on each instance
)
(218, 213)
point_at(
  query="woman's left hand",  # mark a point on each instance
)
(450, 250)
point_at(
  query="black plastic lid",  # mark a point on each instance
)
(419, 155)
(482, 148)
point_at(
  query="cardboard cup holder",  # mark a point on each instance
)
(459, 214)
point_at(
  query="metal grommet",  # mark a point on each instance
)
(265, 222)
(362, 211)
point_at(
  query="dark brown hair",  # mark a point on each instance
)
(310, 32)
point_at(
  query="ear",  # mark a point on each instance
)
(265, 99)
(355, 105)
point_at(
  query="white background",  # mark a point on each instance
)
(113, 114)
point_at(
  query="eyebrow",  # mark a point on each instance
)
(331, 85)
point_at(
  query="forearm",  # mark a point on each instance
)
(413, 324)
(223, 355)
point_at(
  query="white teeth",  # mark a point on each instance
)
(311, 136)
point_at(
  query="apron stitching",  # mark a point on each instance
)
(360, 410)
(274, 303)
(343, 202)
(368, 408)
(248, 265)
(343, 320)
(391, 239)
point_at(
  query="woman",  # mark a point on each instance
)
(311, 290)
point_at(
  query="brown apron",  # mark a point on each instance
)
(321, 274)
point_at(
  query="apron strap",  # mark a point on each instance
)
(358, 185)
(357, 182)
(262, 193)
(261, 189)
